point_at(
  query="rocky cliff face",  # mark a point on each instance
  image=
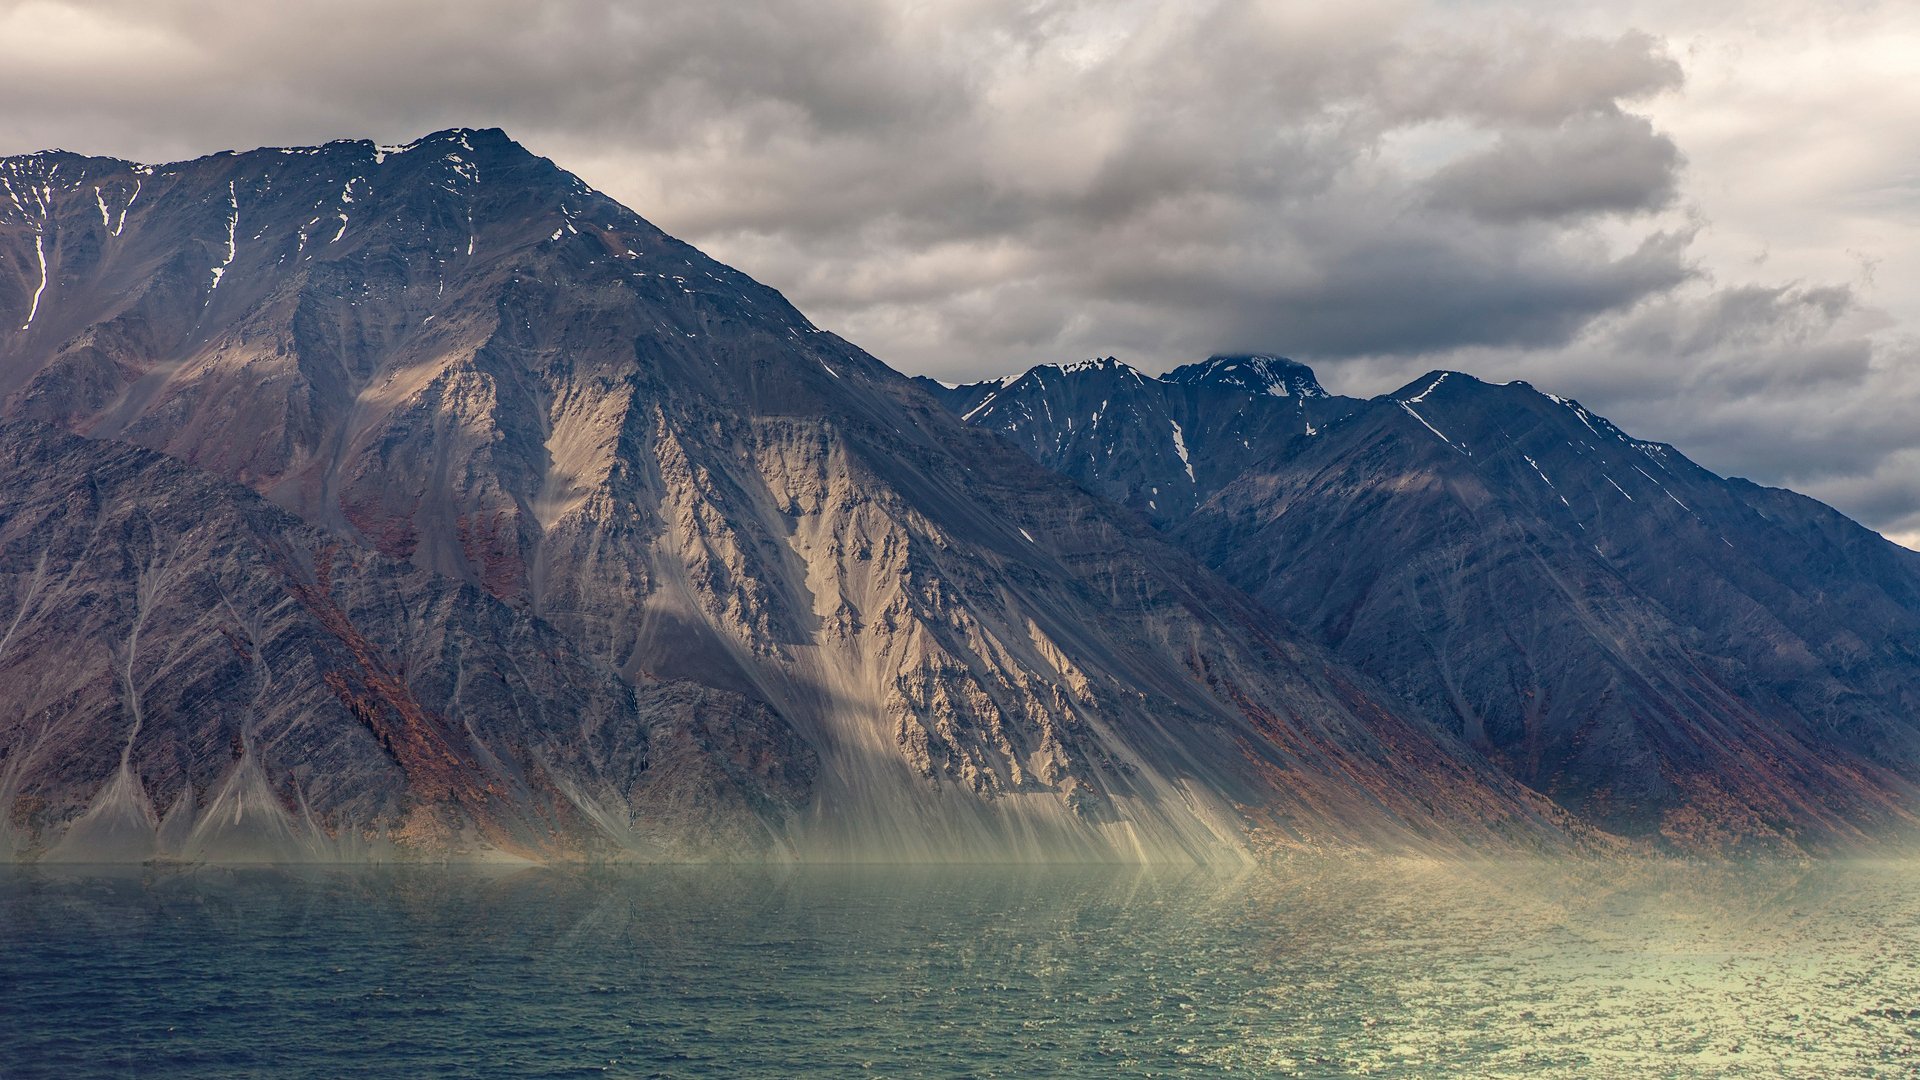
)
(456, 356)
(1666, 652)
(195, 674)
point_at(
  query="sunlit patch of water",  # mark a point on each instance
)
(1396, 969)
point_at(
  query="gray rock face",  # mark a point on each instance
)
(195, 674)
(1665, 652)
(457, 356)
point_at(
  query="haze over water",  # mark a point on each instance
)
(1382, 970)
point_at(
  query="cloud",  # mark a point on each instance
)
(1601, 164)
(979, 183)
(965, 188)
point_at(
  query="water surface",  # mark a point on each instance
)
(1380, 970)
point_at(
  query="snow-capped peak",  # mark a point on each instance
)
(1105, 363)
(1274, 376)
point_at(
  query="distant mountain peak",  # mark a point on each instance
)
(1426, 385)
(1256, 373)
(1457, 390)
(472, 140)
(455, 139)
(1103, 363)
(1038, 374)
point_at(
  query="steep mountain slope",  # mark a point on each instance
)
(1159, 446)
(1659, 649)
(458, 355)
(193, 673)
(1654, 646)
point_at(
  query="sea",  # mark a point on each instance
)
(1395, 968)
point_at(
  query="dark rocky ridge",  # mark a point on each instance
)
(1656, 647)
(1158, 446)
(1666, 652)
(458, 356)
(1261, 376)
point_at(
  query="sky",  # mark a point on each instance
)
(1699, 217)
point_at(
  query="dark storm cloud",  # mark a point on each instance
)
(969, 187)
(1591, 165)
(1200, 174)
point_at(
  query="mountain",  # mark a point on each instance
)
(1658, 648)
(455, 356)
(1665, 652)
(1159, 446)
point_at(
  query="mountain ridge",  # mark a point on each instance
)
(1512, 562)
(1180, 436)
(467, 361)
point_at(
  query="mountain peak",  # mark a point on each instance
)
(1424, 386)
(1097, 364)
(1456, 389)
(479, 142)
(470, 140)
(1256, 373)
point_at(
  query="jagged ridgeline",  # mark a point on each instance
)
(433, 504)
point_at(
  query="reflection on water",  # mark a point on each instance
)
(1384, 970)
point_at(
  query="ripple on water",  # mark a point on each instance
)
(1382, 970)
